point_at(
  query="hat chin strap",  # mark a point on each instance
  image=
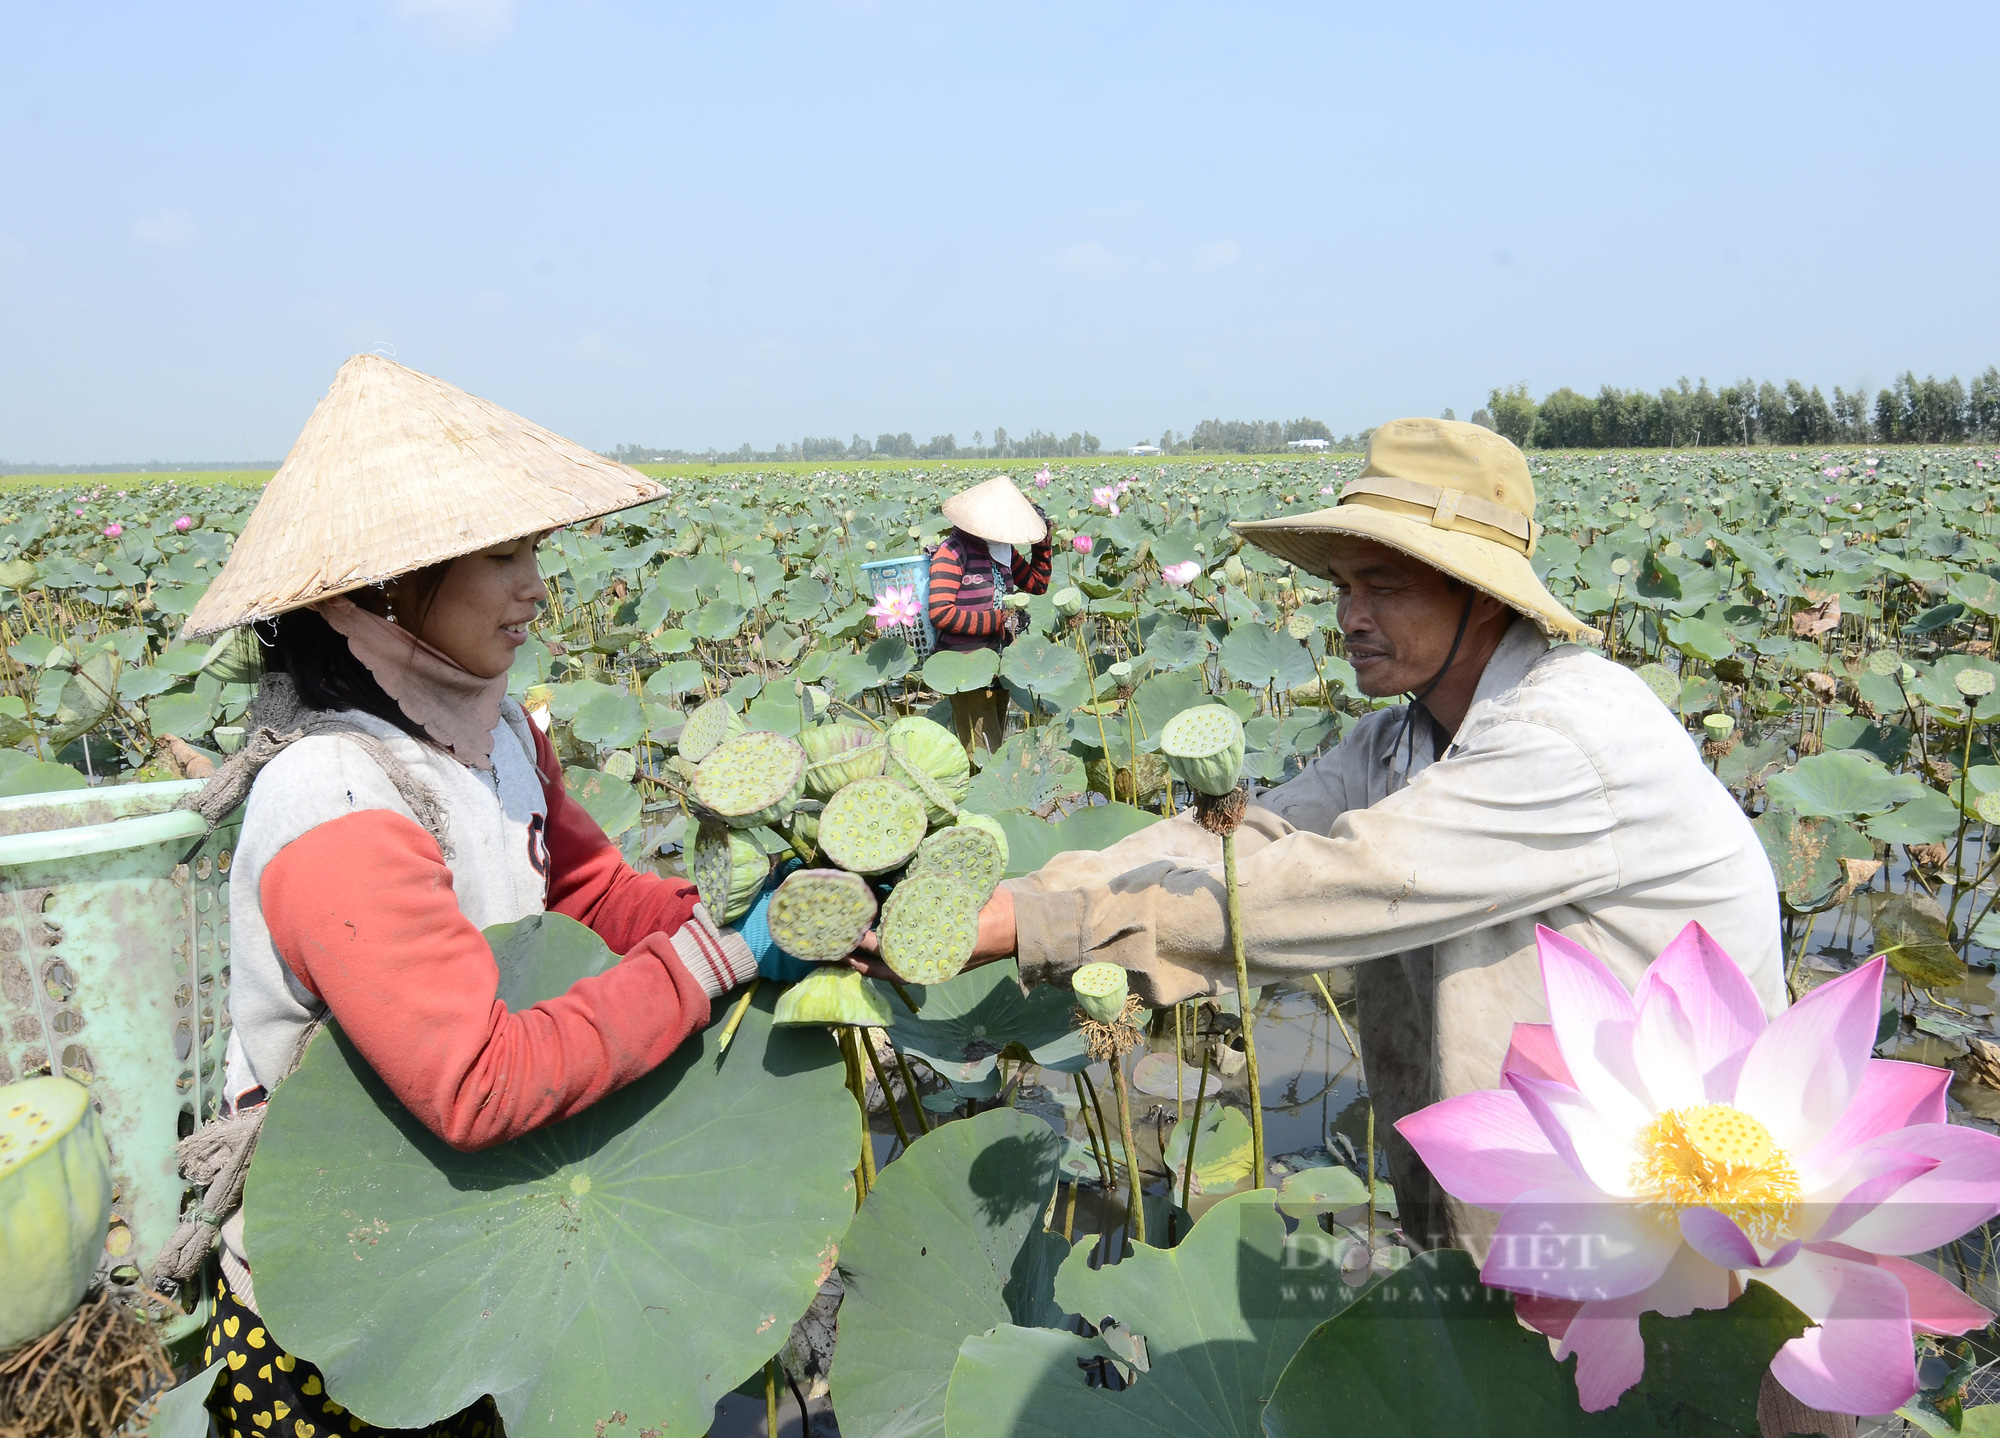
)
(1417, 697)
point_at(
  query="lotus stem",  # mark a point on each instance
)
(1371, 1181)
(771, 1396)
(1137, 1205)
(903, 994)
(1334, 1009)
(735, 1018)
(1179, 1106)
(867, 1043)
(1194, 1132)
(1243, 1007)
(864, 1165)
(1101, 1155)
(1069, 1213)
(799, 847)
(910, 1088)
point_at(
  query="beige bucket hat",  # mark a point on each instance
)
(394, 471)
(997, 511)
(1456, 496)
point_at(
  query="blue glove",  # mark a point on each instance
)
(755, 928)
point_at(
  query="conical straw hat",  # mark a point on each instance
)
(394, 471)
(997, 511)
(1456, 496)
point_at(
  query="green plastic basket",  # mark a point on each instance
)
(114, 968)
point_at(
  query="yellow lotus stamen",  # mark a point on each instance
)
(1719, 1157)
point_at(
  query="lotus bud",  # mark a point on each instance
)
(1100, 991)
(55, 1202)
(820, 914)
(752, 779)
(1068, 601)
(728, 868)
(1204, 747)
(835, 996)
(871, 826)
(1234, 572)
(929, 929)
(708, 728)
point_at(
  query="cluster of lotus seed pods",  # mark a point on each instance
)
(878, 809)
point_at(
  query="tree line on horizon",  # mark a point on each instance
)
(1910, 411)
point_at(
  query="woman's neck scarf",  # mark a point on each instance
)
(456, 707)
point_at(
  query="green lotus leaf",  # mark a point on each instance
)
(1841, 785)
(553, 1271)
(609, 719)
(1032, 842)
(1034, 771)
(1220, 1317)
(951, 672)
(1041, 668)
(1429, 1349)
(717, 621)
(1174, 649)
(682, 676)
(1930, 818)
(1261, 657)
(24, 774)
(612, 802)
(1701, 639)
(961, 1027)
(1913, 932)
(186, 716)
(1222, 1150)
(1805, 855)
(949, 1243)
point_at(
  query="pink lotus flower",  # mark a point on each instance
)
(896, 608)
(113, 530)
(1081, 544)
(1653, 1151)
(184, 524)
(1105, 497)
(1042, 477)
(1182, 573)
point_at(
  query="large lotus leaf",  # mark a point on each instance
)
(610, 719)
(612, 802)
(717, 621)
(1429, 1350)
(1171, 649)
(1805, 855)
(641, 1257)
(949, 1243)
(1887, 742)
(1911, 930)
(1216, 1319)
(187, 716)
(22, 773)
(1040, 666)
(1031, 842)
(1930, 818)
(961, 1027)
(1033, 772)
(1845, 784)
(1701, 639)
(677, 677)
(950, 672)
(1160, 698)
(1254, 655)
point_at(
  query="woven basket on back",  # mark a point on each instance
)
(394, 471)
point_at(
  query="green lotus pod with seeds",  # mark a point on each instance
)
(754, 778)
(871, 826)
(1100, 991)
(728, 867)
(820, 914)
(838, 754)
(708, 729)
(967, 855)
(835, 995)
(927, 757)
(55, 1203)
(929, 927)
(1067, 601)
(992, 826)
(1204, 747)
(805, 820)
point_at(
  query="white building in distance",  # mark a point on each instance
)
(1313, 444)
(1144, 449)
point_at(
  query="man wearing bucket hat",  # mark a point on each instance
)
(999, 542)
(398, 802)
(1527, 781)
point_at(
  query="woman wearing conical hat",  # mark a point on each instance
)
(999, 542)
(389, 570)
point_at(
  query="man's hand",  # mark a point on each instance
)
(996, 940)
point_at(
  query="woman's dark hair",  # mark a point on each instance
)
(323, 668)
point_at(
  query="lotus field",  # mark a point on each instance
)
(1058, 1212)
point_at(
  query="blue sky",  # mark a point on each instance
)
(694, 225)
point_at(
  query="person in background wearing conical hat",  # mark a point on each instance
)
(1525, 781)
(402, 802)
(999, 543)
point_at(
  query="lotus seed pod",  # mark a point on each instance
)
(1067, 601)
(1884, 662)
(805, 820)
(835, 995)
(728, 867)
(55, 1203)
(929, 928)
(754, 778)
(967, 855)
(1300, 626)
(619, 765)
(1233, 571)
(1018, 599)
(1973, 683)
(708, 728)
(992, 826)
(821, 914)
(1100, 991)
(927, 757)
(838, 754)
(871, 826)
(1718, 726)
(1987, 807)
(1204, 747)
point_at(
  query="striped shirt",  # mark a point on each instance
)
(980, 618)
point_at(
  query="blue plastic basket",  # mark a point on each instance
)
(912, 569)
